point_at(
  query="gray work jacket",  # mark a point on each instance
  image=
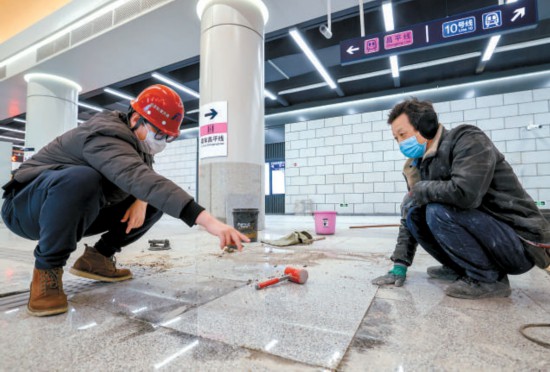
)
(107, 144)
(463, 168)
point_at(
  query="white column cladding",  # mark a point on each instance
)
(52, 108)
(232, 70)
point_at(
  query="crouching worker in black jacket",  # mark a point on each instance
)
(465, 207)
(98, 178)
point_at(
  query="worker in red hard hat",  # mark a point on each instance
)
(160, 112)
(98, 179)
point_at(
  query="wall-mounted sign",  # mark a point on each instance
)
(499, 19)
(213, 130)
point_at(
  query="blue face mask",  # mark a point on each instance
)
(411, 148)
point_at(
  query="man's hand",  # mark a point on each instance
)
(395, 276)
(135, 215)
(227, 234)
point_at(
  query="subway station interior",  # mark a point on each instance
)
(286, 136)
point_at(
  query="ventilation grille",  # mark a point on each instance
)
(124, 13)
(127, 11)
(92, 28)
(56, 46)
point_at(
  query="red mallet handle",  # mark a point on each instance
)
(269, 282)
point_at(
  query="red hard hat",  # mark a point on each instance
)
(162, 107)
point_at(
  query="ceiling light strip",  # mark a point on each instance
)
(526, 44)
(175, 84)
(278, 69)
(119, 94)
(364, 76)
(12, 138)
(12, 130)
(301, 89)
(91, 107)
(270, 95)
(362, 18)
(441, 61)
(387, 10)
(394, 66)
(312, 57)
(490, 48)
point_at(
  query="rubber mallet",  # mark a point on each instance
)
(291, 273)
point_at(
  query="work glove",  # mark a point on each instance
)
(395, 276)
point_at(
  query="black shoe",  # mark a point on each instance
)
(443, 273)
(473, 289)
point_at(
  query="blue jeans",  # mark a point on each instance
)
(468, 241)
(59, 207)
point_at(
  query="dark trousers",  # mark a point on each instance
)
(468, 241)
(59, 207)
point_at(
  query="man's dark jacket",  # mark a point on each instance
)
(107, 144)
(463, 168)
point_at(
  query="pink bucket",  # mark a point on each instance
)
(325, 222)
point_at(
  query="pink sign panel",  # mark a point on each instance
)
(213, 129)
(398, 40)
(372, 45)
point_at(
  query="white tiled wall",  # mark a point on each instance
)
(352, 165)
(178, 162)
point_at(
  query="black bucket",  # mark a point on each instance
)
(245, 220)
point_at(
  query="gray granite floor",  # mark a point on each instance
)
(195, 308)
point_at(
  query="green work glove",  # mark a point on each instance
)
(395, 276)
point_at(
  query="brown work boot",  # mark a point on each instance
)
(47, 296)
(94, 265)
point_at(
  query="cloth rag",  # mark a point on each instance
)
(294, 238)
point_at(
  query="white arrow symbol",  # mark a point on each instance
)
(352, 49)
(518, 13)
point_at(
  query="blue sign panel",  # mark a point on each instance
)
(459, 27)
(499, 19)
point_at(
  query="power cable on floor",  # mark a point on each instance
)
(531, 338)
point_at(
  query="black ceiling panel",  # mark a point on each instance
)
(281, 50)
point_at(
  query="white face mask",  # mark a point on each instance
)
(151, 145)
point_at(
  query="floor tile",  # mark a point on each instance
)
(88, 339)
(311, 323)
(158, 298)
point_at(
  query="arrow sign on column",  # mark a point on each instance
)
(212, 114)
(351, 50)
(518, 13)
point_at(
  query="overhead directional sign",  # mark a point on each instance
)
(479, 23)
(213, 130)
